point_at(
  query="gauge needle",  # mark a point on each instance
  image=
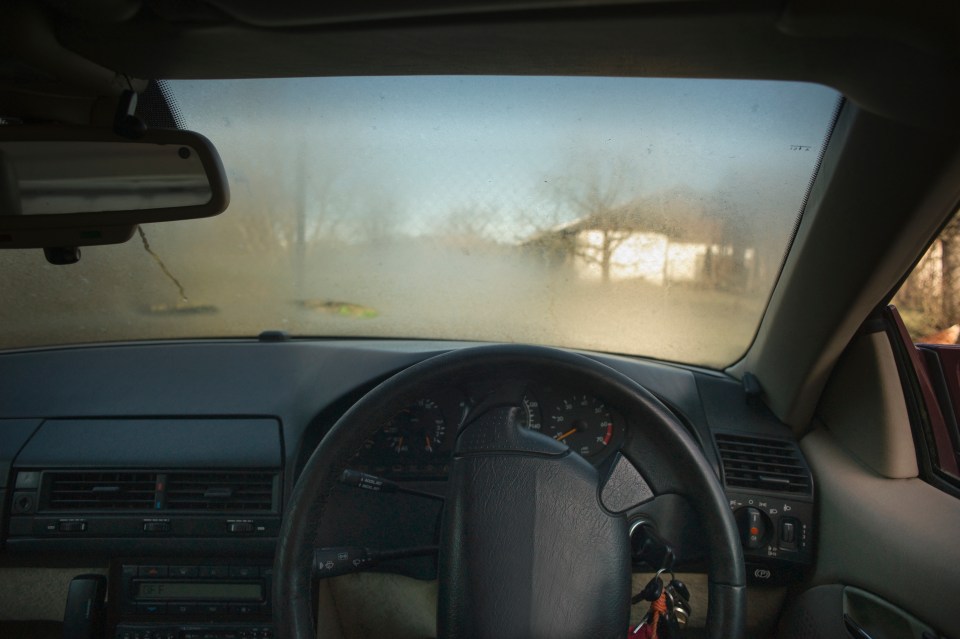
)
(560, 438)
(429, 447)
(399, 443)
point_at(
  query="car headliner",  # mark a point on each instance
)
(898, 65)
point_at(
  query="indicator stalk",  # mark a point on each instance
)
(377, 484)
(332, 562)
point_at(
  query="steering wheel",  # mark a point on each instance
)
(527, 548)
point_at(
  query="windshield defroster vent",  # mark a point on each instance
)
(762, 464)
(239, 492)
(101, 491)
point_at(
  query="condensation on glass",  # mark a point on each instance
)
(636, 216)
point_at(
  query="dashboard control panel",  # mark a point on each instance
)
(770, 490)
(776, 534)
(188, 600)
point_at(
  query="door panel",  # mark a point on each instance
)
(882, 530)
(892, 537)
(841, 612)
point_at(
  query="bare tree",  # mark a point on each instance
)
(950, 272)
(372, 220)
(471, 225)
(598, 202)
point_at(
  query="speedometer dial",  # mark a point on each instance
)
(581, 422)
(530, 412)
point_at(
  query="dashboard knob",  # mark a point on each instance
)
(754, 525)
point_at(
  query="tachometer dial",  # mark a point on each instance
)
(581, 422)
(418, 429)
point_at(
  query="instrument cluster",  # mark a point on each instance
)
(417, 442)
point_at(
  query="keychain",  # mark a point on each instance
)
(669, 608)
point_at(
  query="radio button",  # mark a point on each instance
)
(214, 572)
(152, 571)
(244, 572)
(211, 609)
(244, 609)
(184, 571)
(182, 609)
(152, 608)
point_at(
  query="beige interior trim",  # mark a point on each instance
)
(377, 605)
(896, 538)
(37, 594)
(864, 408)
(328, 619)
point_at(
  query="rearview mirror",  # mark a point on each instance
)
(70, 187)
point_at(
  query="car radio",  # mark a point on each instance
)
(181, 601)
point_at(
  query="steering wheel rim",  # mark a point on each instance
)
(654, 451)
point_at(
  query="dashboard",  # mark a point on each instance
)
(170, 463)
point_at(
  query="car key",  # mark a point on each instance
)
(650, 592)
(669, 627)
(649, 627)
(680, 588)
(680, 597)
(638, 632)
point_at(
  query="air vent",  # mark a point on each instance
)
(100, 491)
(762, 464)
(235, 492)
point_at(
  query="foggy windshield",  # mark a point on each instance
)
(640, 216)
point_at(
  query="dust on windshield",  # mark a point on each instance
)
(640, 216)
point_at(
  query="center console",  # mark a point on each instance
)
(190, 601)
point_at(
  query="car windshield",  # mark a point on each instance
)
(638, 216)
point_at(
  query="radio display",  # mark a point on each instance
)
(185, 590)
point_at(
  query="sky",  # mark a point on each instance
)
(422, 147)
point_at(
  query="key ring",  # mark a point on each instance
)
(673, 577)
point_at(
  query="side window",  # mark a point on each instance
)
(929, 299)
(925, 322)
